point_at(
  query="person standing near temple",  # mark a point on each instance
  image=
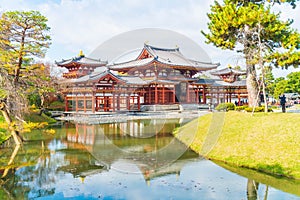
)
(282, 102)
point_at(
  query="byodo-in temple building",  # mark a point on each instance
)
(157, 77)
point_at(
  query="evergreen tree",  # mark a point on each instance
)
(23, 37)
(251, 28)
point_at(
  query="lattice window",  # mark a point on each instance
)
(175, 72)
(149, 73)
(163, 73)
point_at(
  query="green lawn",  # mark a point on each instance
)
(266, 142)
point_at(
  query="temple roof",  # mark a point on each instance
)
(80, 61)
(228, 71)
(220, 83)
(131, 64)
(134, 80)
(203, 81)
(172, 57)
(96, 76)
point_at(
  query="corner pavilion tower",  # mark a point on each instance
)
(79, 66)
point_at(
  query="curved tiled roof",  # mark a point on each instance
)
(166, 56)
(227, 71)
(131, 64)
(81, 60)
(241, 83)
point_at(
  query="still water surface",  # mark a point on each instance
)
(134, 160)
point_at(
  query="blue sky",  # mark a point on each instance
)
(85, 24)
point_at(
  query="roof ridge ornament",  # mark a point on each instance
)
(81, 54)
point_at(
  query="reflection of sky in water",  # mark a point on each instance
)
(199, 179)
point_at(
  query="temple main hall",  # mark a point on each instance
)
(158, 76)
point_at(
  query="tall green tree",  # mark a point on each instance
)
(23, 37)
(293, 82)
(251, 28)
(280, 87)
(290, 84)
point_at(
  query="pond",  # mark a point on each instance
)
(137, 159)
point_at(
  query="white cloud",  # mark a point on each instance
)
(84, 24)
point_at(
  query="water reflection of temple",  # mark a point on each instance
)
(86, 134)
(146, 144)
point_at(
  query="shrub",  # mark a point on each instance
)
(57, 105)
(239, 108)
(48, 113)
(258, 109)
(225, 106)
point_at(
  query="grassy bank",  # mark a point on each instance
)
(266, 142)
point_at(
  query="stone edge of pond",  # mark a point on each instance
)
(123, 117)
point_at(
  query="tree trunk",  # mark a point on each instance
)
(252, 188)
(265, 95)
(252, 86)
(20, 59)
(8, 120)
(11, 160)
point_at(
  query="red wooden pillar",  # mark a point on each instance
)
(149, 94)
(187, 93)
(197, 94)
(239, 99)
(204, 94)
(93, 102)
(118, 102)
(155, 95)
(84, 103)
(163, 94)
(174, 94)
(97, 104)
(113, 99)
(128, 102)
(218, 95)
(139, 102)
(104, 102)
(113, 102)
(66, 104)
(76, 103)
